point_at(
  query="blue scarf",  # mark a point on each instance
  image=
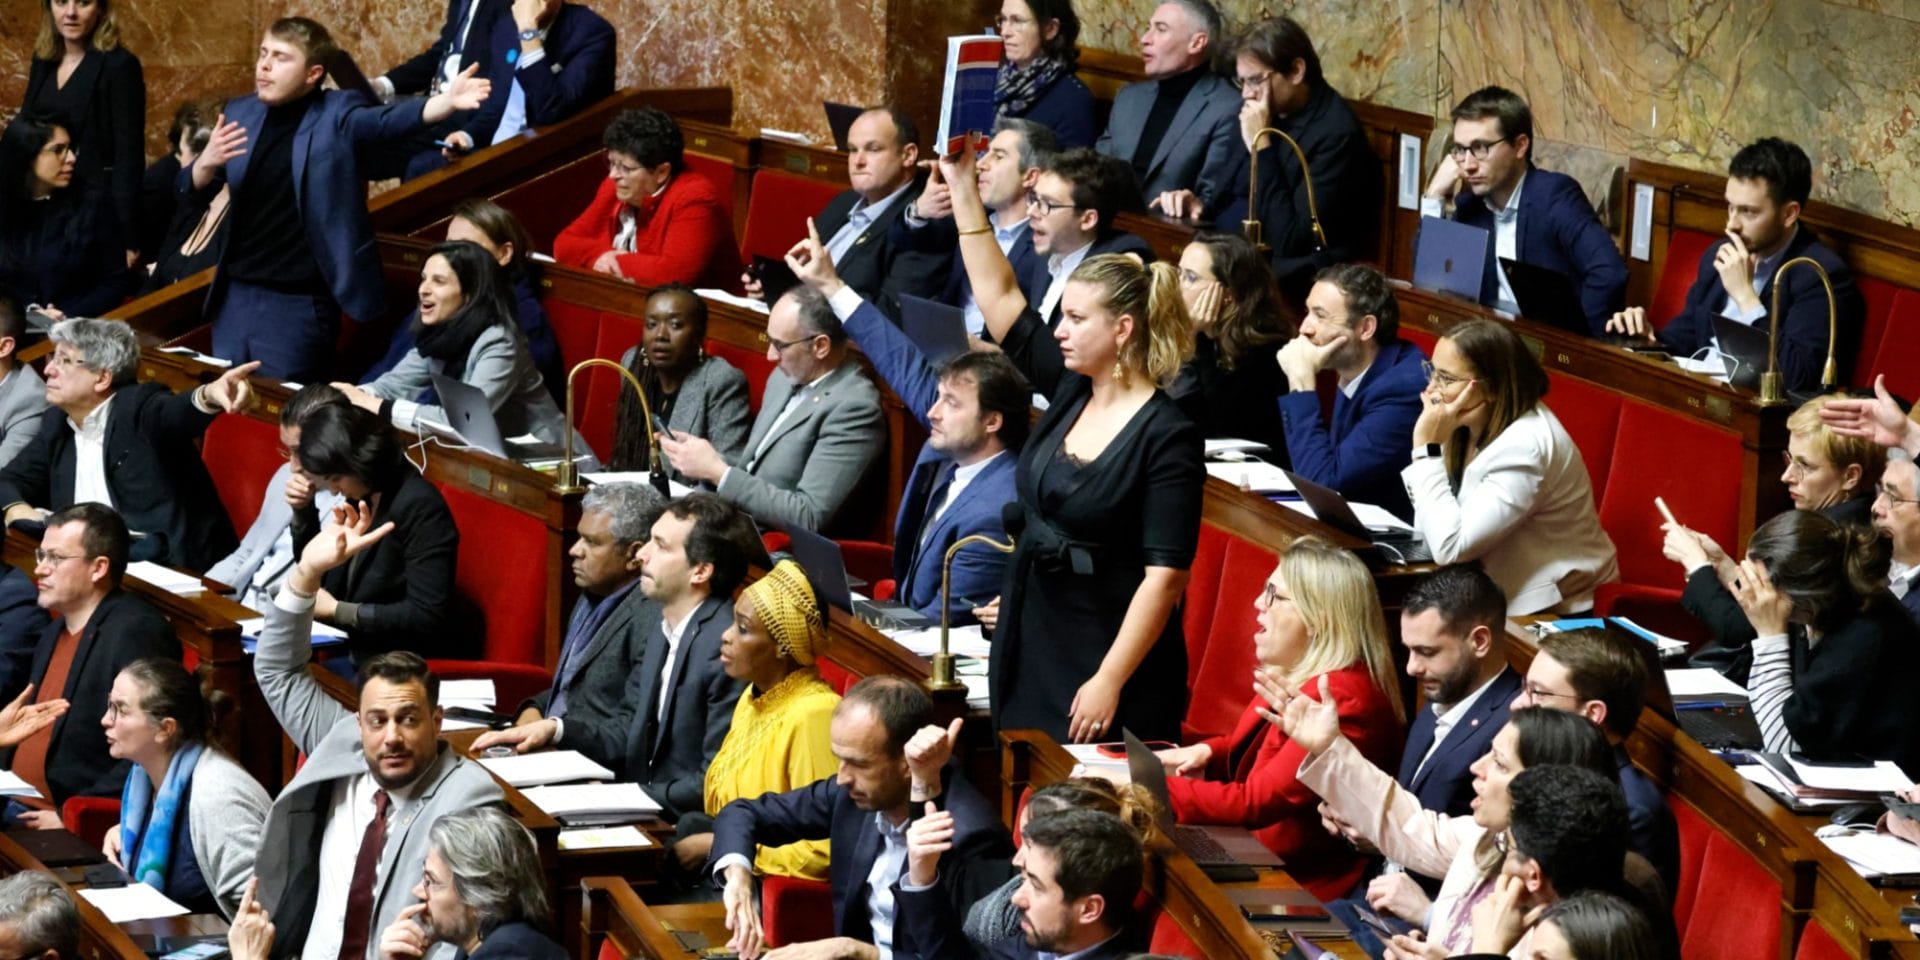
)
(147, 843)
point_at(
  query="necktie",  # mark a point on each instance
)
(353, 935)
(934, 501)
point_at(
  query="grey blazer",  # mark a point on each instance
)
(329, 734)
(225, 813)
(23, 398)
(604, 667)
(498, 363)
(1201, 151)
(713, 403)
(818, 456)
(670, 759)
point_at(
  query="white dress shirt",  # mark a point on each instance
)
(887, 868)
(1445, 721)
(1006, 238)
(339, 848)
(513, 118)
(673, 632)
(1060, 266)
(859, 218)
(961, 477)
(1900, 578)
(89, 456)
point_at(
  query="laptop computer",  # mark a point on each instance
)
(1717, 722)
(938, 329)
(1548, 296)
(840, 118)
(1450, 257)
(1400, 545)
(470, 421)
(827, 568)
(1746, 347)
(1209, 846)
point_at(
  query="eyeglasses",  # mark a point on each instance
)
(1477, 149)
(47, 558)
(1798, 466)
(1188, 278)
(1241, 83)
(1447, 381)
(57, 149)
(1882, 490)
(58, 359)
(1537, 694)
(1269, 594)
(780, 346)
(1005, 22)
(621, 168)
(432, 883)
(1045, 206)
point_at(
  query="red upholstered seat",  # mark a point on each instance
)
(838, 677)
(89, 818)
(513, 683)
(548, 202)
(610, 952)
(1740, 919)
(777, 211)
(1684, 250)
(597, 393)
(1168, 939)
(1419, 338)
(868, 560)
(1694, 830)
(1857, 370)
(1220, 651)
(1695, 467)
(576, 329)
(718, 172)
(1899, 354)
(795, 911)
(1818, 944)
(1591, 415)
(500, 584)
(241, 454)
(755, 365)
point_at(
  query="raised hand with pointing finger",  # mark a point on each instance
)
(810, 263)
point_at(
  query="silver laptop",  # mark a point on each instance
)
(1209, 846)
(1450, 257)
(827, 568)
(470, 421)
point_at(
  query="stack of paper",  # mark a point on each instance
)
(1252, 475)
(1668, 646)
(12, 786)
(603, 838)
(135, 901)
(1878, 856)
(1695, 682)
(601, 802)
(165, 578)
(747, 303)
(1231, 448)
(548, 766)
(1847, 781)
(1089, 760)
(965, 641)
(477, 694)
(324, 634)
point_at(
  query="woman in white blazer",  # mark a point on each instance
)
(190, 817)
(1495, 478)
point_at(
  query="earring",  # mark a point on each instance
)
(1119, 373)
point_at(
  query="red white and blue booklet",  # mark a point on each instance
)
(966, 99)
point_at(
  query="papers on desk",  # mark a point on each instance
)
(207, 359)
(604, 838)
(1226, 445)
(1090, 761)
(478, 694)
(597, 801)
(165, 578)
(12, 786)
(324, 634)
(786, 135)
(1695, 682)
(547, 766)
(135, 901)
(1877, 856)
(1770, 780)
(1862, 781)
(744, 303)
(1712, 365)
(964, 641)
(641, 477)
(1252, 475)
(1372, 516)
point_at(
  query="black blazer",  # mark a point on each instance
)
(404, 585)
(595, 690)
(68, 251)
(1346, 185)
(154, 473)
(1037, 280)
(975, 866)
(416, 74)
(874, 267)
(670, 760)
(515, 941)
(1444, 784)
(110, 133)
(122, 629)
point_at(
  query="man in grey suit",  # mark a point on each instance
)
(679, 701)
(1180, 127)
(23, 395)
(347, 834)
(612, 620)
(819, 432)
(256, 570)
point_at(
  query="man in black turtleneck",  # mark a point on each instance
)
(301, 250)
(1180, 127)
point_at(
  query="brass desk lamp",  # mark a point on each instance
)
(1251, 225)
(567, 478)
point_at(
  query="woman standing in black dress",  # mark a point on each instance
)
(81, 73)
(1109, 485)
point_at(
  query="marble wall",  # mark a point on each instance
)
(1682, 81)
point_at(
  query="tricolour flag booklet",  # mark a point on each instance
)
(966, 99)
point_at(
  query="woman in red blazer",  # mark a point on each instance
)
(1319, 616)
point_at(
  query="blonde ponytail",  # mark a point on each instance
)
(1163, 335)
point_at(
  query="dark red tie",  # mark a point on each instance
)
(353, 936)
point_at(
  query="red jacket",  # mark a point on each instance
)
(1251, 782)
(685, 236)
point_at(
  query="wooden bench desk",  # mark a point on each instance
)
(100, 938)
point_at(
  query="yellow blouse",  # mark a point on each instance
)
(779, 741)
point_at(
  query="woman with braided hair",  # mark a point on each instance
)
(778, 739)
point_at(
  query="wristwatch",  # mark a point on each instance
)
(1429, 452)
(528, 36)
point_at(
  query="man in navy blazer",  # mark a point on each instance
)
(976, 409)
(1180, 127)
(1535, 216)
(552, 59)
(1070, 213)
(894, 768)
(1020, 149)
(1352, 327)
(1768, 184)
(465, 38)
(301, 247)
(1896, 515)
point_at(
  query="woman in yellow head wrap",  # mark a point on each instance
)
(778, 740)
